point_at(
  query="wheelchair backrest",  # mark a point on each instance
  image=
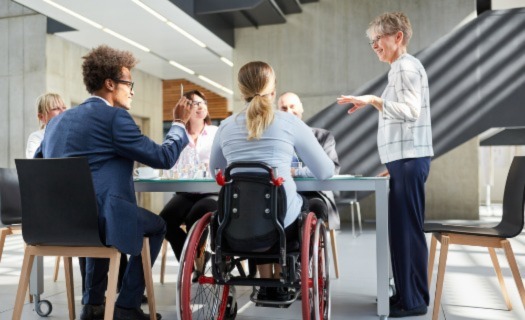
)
(252, 207)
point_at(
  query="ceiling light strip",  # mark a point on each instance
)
(74, 14)
(121, 37)
(151, 11)
(181, 31)
(186, 34)
(138, 45)
(180, 66)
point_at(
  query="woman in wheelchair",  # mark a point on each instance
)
(263, 134)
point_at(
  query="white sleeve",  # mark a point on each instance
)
(33, 142)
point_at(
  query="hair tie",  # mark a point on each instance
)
(251, 98)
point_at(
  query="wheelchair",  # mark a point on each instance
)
(248, 226)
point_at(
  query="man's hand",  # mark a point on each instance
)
(182, 110)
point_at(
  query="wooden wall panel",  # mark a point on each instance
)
(217, 105)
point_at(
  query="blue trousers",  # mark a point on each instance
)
(408, 246)
(133, 284)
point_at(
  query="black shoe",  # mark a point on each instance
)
(273, 294)
(200, 269)
(397, 311)
(262, 294)
(92, 312)
(281, 294)
(131, 314)
(393, 300)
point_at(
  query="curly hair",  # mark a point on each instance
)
(103, 63)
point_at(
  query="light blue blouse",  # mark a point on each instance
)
(275, 148)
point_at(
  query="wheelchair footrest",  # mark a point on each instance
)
(279, 300)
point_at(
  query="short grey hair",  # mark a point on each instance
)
(391, 23)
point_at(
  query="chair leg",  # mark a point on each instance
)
(111, 292)
(23, 284)
(164, 251)
(440, 276)
(68, 270)
(514, 268)
(497, 268)
(431, 258)
(3, 234)
(146, 265)
(334, 253)
(358, 207)
(57, 267)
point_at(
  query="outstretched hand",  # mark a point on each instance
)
(182, 110)
(359, 102)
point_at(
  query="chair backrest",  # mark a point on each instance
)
(513, 200)
(252, 206)
(59, 206)
(10, 207)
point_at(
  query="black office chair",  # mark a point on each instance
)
(61, 219)
(10, 208)
(510, 226)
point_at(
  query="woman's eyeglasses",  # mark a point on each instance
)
(373, 42)
(199, 103)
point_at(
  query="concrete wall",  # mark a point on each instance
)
(22, 77)
(494, 166)
(323, 52)
(33, 62)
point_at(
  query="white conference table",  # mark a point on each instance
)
(379, 185)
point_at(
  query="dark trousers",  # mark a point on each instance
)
(121, 270)
(317, 203)
(133, 281)
(408, 246)
(185, 208)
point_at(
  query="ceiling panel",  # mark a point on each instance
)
(133, 22)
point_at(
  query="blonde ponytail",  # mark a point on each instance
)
(259, 116)
(257, 85)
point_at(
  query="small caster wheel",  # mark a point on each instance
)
(43, 308)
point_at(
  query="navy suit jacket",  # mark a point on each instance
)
(111, 141)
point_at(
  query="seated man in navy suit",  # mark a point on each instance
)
(320, 202)
(102, 130)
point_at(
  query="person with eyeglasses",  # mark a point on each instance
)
(185, 208)
(404, 141)
(102, 130)
(49, 105)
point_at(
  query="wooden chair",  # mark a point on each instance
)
(10, 208)
(510, 226)
(61, 219)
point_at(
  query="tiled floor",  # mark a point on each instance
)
(471, 289)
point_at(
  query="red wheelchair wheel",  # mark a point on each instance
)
(199, 296)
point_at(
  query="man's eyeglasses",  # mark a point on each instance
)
(130, 84)
(199, 103)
